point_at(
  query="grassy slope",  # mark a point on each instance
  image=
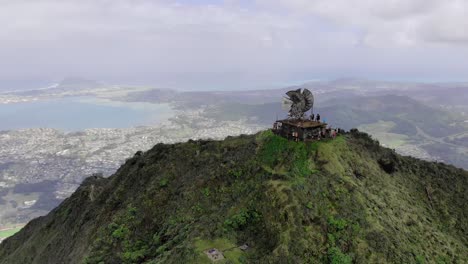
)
(325, 202)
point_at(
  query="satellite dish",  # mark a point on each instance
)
(302, 101)
(286, 104)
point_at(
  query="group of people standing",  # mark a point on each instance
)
(328, 133)
(315, 118)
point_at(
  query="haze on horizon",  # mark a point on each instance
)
(231, 44)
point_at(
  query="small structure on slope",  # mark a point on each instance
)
(244, 247)
(214, 254)
(298, 126)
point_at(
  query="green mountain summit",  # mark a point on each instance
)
(258, 199)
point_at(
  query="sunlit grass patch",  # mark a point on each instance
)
(230, 250)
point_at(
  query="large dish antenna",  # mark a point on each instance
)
(298, 102)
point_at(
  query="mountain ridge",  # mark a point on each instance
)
(338, 201)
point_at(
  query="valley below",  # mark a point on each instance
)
(41, 166)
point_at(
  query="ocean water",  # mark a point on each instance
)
(79, 113)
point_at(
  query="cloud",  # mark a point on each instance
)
(393, 22)
(143, 38)
(232, 41)
(139, 32)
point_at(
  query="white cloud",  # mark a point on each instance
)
(400, 22)
(139, 30)
(134, 40)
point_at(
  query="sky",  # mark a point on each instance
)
(231, 44)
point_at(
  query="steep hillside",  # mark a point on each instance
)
(340, 201)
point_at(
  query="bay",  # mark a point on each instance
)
(79, 113)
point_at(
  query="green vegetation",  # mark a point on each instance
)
(335, 256)
(163, 182)
(242, 219)
(346, 200)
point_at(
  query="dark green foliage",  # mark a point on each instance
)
(335, 256)
(163, 183)
(339, 201)
(242, 219)
(277, 152)
(206, 192)
(420, 259)
(120, 232)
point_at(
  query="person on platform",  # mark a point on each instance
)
(318, 117)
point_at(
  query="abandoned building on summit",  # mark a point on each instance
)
(298, 126)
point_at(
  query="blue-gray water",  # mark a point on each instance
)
(74, 114)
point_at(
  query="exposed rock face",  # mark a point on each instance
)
(340, 201)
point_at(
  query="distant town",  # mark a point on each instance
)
(32, 156)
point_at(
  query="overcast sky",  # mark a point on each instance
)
(208, 44)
